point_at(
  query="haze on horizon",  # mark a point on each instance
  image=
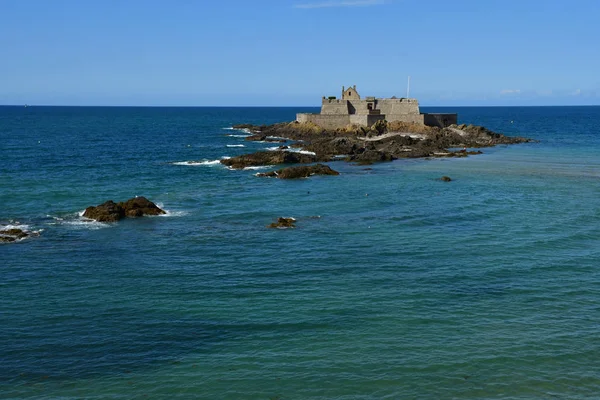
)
(290, 53)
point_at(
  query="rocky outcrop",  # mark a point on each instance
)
(14, 234)
(369, 156)
(111, 212)
(302, 171)
(445, 179)
(382, 142)
(283, 223)
(268, 158)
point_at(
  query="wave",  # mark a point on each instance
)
(169, 213)
(247, 132)
(235, 145)
(291, 150)
(78, 221)
(257, 167)
(201, 162)
(14, 225)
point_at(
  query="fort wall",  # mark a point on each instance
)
(325, 121)
(398, 106)
(365, 120)
(411, 118)
(334, 106)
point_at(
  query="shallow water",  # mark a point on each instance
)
(394, 285)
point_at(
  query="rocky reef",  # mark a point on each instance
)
(381, 142)
(283, 223)
(268, 158)
(10, 235)
(302, 171)
(110, 211)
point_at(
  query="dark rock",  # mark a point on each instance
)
(111, 212)
(283, 223)
(246, 126)
(371, 156)
(268, 158)
(14, 234)
(330, 144)
(106, 212)
(445, 178)
(140, 206)
(302, 171)
(264, 138)
(17, 233)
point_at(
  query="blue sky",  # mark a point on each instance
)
(292, 52)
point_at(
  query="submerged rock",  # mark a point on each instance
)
(445, 179)
(110, 211)
(302, 171)
(283, 223)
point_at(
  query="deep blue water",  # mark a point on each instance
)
(394, 285)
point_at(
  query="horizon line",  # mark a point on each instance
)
(270, 106)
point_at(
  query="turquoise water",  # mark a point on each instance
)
(394, 285)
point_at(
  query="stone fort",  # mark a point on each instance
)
(352, 109)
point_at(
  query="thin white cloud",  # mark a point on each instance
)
(576, 92)
(338, 3)
(510, 91)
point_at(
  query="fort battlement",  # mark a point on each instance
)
(352, 109)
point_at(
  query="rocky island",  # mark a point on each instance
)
(366, 130)
(110, 211)
(383, 141)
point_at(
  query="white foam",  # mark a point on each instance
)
(273, 148)
(235, 145)
(86, 223)
(292, 150)
(169, 213)
(14, 225)
(247, 132)
(77, 220)
(201, 163)
(257, 167)
(173, 213)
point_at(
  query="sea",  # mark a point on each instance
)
(393, 285)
